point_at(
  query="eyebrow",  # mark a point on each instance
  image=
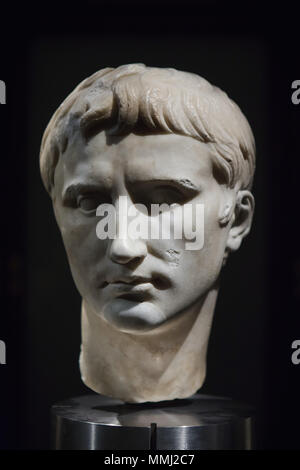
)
(73, 191)
(188, 184)
(184, 183)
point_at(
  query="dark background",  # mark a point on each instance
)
(257, 318)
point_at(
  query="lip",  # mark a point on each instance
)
(132, 280)
(123, 287)
(129, 281)
(139, 290)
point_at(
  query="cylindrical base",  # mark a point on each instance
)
(194, 423)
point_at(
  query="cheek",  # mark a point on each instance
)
(215, 236)
(194, 272)
(173, 256)
(170, 251)
(80, 240)
(196, 269)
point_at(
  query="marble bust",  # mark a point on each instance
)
(149, 136)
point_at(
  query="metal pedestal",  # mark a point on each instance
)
(199, 422)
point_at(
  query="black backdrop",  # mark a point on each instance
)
(257, 315)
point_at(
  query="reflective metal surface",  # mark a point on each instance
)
(199, 422)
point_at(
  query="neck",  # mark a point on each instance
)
(165, 363)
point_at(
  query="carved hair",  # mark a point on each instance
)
(147, 99)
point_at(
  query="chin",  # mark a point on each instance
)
(132, 316)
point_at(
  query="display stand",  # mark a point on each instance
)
(199, 422)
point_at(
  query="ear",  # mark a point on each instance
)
(241, 220)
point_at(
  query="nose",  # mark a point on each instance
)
(123, 248)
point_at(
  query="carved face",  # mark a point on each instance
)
(137, 284)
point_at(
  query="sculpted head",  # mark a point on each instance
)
(148, 136)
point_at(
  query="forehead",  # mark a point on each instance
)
(137, 157)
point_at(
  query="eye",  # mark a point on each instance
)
(88, 203)
(159, 192)
(165, 195)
